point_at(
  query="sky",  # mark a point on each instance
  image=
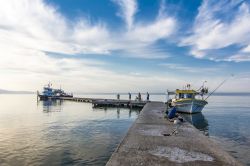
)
(124, 45)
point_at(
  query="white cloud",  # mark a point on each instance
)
(31, 28)
(211, 32)
(239, 58)
(160, 29)
(246, 49)
(128, 10)
(34, 24)
(190, 69)
(146, 52)
(31, 69)
(138, 41)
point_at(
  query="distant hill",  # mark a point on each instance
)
(2, 91)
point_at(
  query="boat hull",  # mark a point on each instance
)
(45, 97)
(189, 106)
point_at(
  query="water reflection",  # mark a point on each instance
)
(198, 120)
(51, 105)
(119, 110)
(33, 134)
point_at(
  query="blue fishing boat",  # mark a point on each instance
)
(50, 93)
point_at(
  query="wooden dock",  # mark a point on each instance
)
(78, 99)
(96, 102)
(154, 140)
(118, 103)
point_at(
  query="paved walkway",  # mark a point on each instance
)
(153, 140)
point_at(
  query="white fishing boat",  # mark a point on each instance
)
(187, 101)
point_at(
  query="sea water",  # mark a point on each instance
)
(69, 133)
(226, 120)
(59, 133)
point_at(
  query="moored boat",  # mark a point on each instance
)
(47, 92)
(186, 100)
(50, 93)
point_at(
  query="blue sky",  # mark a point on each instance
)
(124, 45)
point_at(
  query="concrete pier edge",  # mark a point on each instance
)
(153, 140)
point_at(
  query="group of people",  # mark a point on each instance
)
(139, 97)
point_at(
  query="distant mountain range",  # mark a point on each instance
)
(2, 91)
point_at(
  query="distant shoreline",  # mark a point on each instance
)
(112, 93)
(15, 92)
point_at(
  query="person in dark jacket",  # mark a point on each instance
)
(147, 96)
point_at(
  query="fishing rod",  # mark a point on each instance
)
(219, 86)
(216, 88)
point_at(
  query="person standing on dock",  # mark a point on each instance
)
(147, 96)
(129, 96)
(118, 96)
(139, 96)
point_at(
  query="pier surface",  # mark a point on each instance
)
(108, 102)
(153, 140)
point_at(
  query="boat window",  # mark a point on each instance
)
(181, 95)
(189, 95)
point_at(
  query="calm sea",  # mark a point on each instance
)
(71, 133)
(59, 133)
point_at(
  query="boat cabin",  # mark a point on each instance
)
(47, 91)
(185, 94)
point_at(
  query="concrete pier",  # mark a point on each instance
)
(153, 140)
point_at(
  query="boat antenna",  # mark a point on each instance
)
(202, 85)
(219, 86)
